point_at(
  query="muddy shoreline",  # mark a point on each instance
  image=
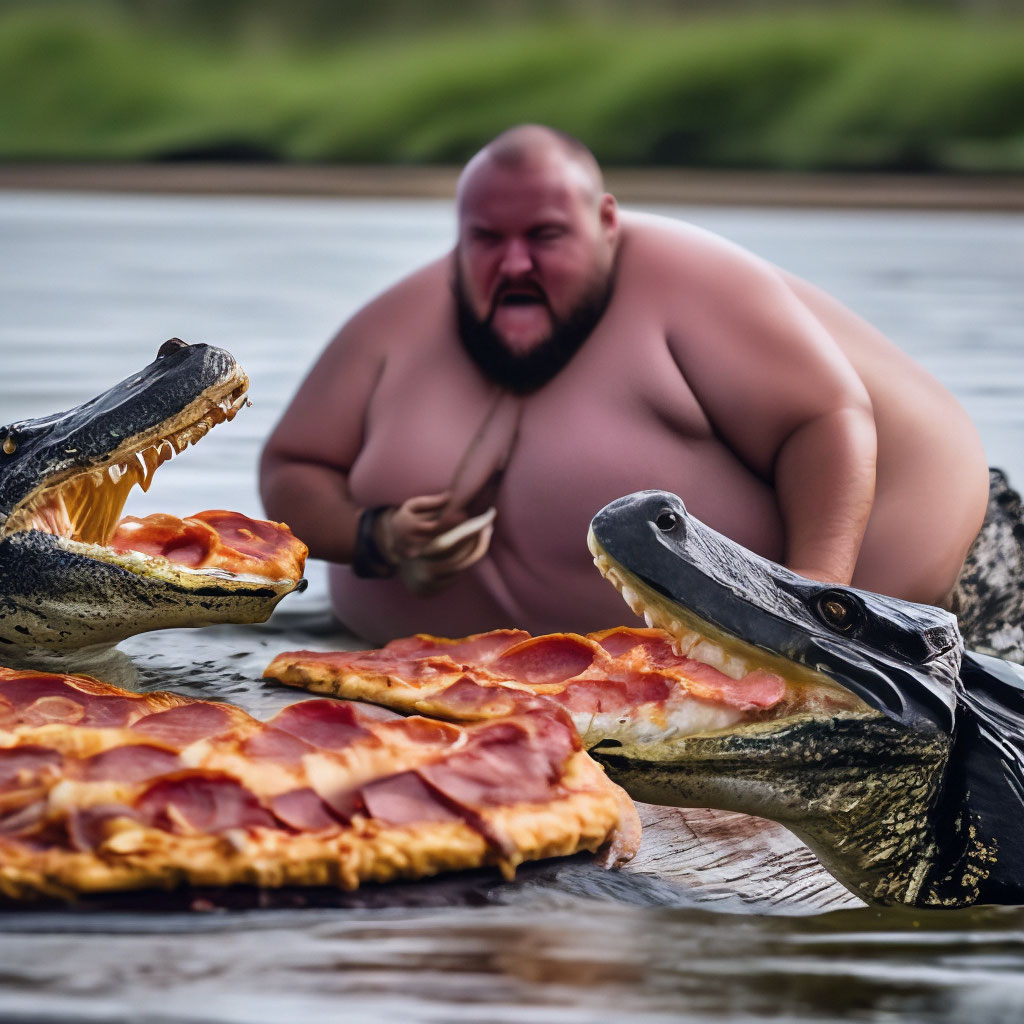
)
(630, 185)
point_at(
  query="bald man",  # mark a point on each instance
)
(449, 448)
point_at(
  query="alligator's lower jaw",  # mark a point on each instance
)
(62, 595)
(852, 788)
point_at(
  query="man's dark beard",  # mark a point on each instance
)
(524, 372)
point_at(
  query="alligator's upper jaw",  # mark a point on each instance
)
(73, 575)
(69, 474)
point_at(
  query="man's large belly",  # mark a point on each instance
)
(538, 574)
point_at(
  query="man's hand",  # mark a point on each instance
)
(404, 531)
(422, 538)
(441, 562)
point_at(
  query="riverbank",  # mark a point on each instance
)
(630, 185)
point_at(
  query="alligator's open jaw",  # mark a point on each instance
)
(739, 612)
(84, 504)
(77, 576)
(808, 694)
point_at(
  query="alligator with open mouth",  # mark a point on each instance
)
(75, 579)
(914, 795)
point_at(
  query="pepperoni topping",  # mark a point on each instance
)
(254, 545)
(22, 766)
(544, 660)
(29, 819)
(756, 690)
(185, 724)
(403, 799)
(182, 541)
(327, 724)
(503, 764)
(88, 827)
(302, 810)
(425, 731)
(53, 710)
(478, 649)
(133, 763)
(200, 801)
(595, 696)
(466, 698)
(270, 744)
(43, 699)
(624, 639)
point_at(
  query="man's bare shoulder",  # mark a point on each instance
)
(417, 299)
(690, 272)
(652, 240)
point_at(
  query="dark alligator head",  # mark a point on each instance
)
(912, 794)
(63, 483)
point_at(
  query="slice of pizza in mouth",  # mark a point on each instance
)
(624, 684)
(104, 790)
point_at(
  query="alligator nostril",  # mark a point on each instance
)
(169, 346)
(667, 520)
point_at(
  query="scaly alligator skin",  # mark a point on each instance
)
(64, 595)
(916, 798)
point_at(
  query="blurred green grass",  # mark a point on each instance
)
(870, 91)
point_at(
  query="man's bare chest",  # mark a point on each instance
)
(621, 394)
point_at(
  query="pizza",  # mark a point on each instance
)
(627, 684)
(102, 789)
(216, 539)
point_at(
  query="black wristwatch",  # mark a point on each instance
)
(368, 560)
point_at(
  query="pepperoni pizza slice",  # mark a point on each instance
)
(216, 539)
(625, 683)
(102, 790)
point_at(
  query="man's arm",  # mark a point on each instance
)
(825, 486)
(306, 460)
(780, 392)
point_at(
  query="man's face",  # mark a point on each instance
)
(535, 245)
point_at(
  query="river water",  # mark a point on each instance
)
(721, 917)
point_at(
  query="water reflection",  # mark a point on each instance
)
(701, 927)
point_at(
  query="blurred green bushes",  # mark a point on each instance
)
(906, 91)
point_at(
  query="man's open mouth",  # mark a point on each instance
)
(518, 296)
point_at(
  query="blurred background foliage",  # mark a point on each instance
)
(755, 84)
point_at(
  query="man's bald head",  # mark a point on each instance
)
(529, 146)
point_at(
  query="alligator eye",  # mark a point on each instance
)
(667, 520)
(10, 446)
(838, 610)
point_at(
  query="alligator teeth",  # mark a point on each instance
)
(633, 599)
(87, 507)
